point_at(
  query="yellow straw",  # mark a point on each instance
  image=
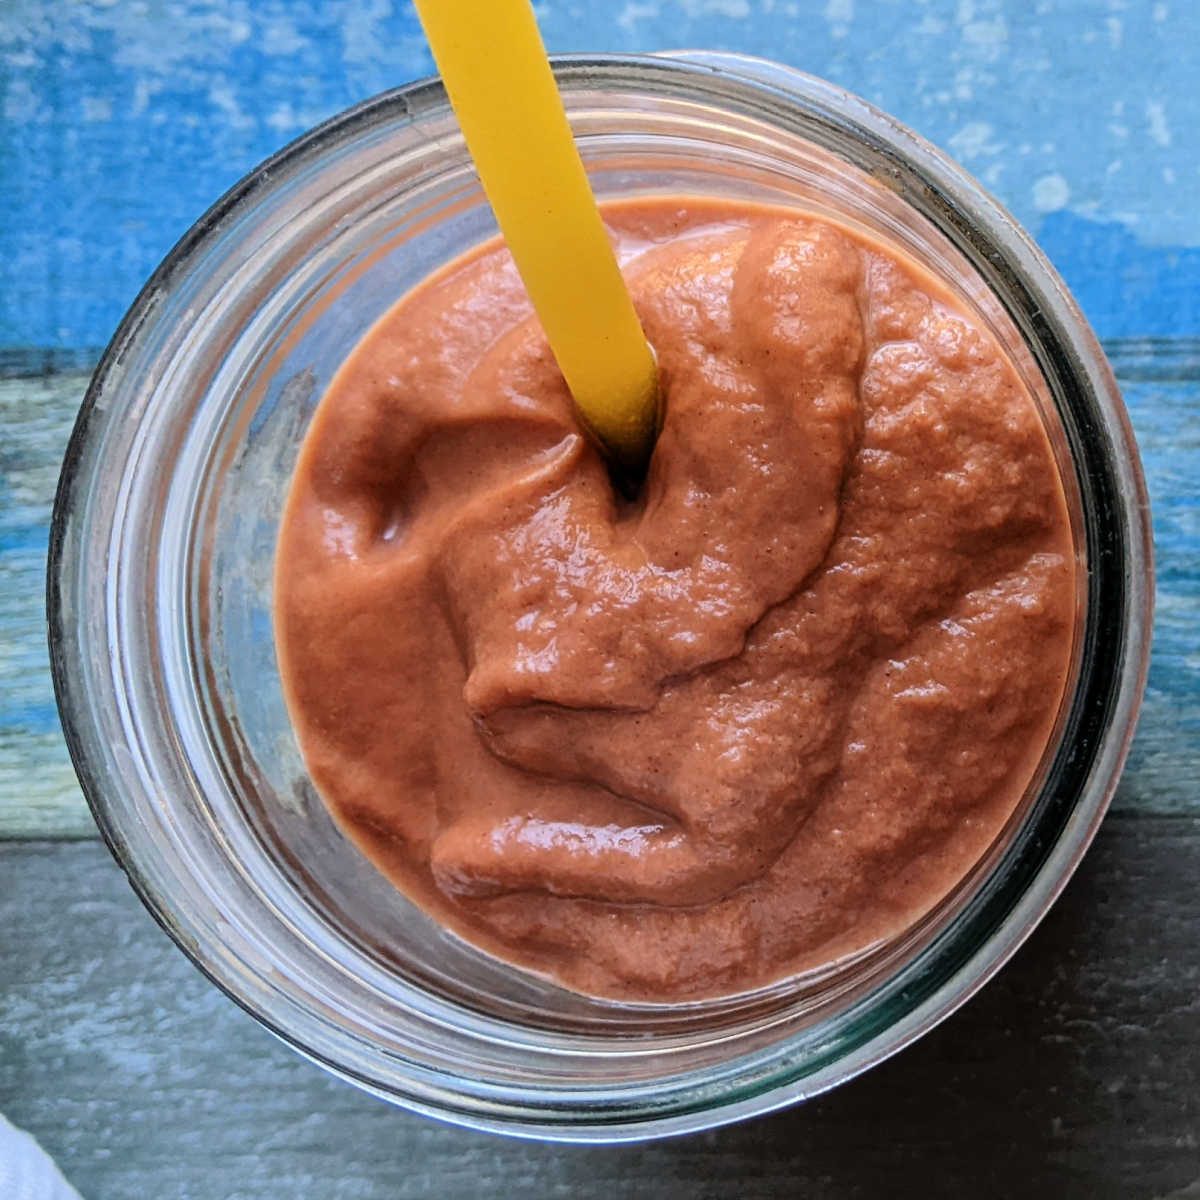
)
(494, 66)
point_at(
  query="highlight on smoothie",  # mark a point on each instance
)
(760, 711)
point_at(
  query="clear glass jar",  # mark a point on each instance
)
(160, 608)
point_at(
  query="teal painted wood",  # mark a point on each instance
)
(39, 796)
(1074, 1074)
(1161, 382)
(1161, 385)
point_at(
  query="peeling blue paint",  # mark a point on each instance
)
(120, 123)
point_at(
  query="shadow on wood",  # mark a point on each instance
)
(1074, 1073)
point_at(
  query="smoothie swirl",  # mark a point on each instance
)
(764, 715)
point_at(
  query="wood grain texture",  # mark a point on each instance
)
(39, 796)
(1075, 1073)
(38, 793)
(1160, 380)
(122, 122)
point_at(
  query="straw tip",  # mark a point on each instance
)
(629, 453)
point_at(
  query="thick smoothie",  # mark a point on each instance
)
(762, 716)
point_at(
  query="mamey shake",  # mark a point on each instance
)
(763, 715)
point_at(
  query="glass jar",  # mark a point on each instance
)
(161, 629)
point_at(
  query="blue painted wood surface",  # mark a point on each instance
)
(121, 121)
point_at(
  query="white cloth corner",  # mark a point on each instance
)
(26, 1171)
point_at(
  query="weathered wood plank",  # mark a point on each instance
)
(39, 796)
(1075, 1073)
(1161, 384)
(123, 122)
(38, 793)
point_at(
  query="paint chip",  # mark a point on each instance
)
(633, 12)
(1156, 120)
(839, 14)
(735, 10)
(97, 108)
(1051, 193)
(972, 140)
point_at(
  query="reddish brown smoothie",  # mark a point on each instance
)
(765, 715)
